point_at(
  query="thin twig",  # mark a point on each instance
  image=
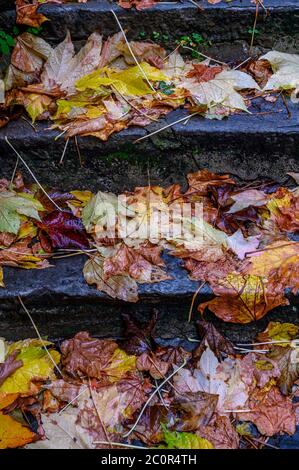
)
(39, 336)
(32, 174)
(14, 173)
(78, 151)
(97, 411)
(72, 401)
(165, 127)
(152, 396)
(193, 300)
(64, 151)
(204, 55)
(254, 25)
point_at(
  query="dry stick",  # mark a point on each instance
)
(38, 334)
(32, 174)
(266, 342)
(97, 411)
(14, 173)
(166, 127)
(254, 25)
(286, 106)
(193, 300)
(242, 63)
(197, 5)
(78, 150)
(64, 151)
(203, 55)
(152, 396)
(72, 401)
(28, 122)
(160, 395)
(132, 53)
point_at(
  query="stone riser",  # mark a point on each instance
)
(248, 146)
(221, 23)
(62, 303)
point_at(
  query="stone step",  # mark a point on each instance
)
(62, 303)
(220, 23)
(264, 144)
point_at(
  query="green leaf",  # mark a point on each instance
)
(12, 206)
(184, 440)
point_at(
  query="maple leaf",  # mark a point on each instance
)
(138, 339)
(271, 412)
(63, 432)
(21, 255)
(202, 180)
(217, 343)
(65, 391)
(220, 95)
(220, 432)
(13, 434)
(102, 359)
(285, 68)
(36, 366)
(27, 13)
(198, 409)
(278, 332)
(12, 205)
(64, 230)
(243, 298)
(63, 68)
(142, 264)
(287, 359)
(120, 287)
(117, 403)
(204, 73)
(204, 378)
(277, 263)
(245, 199)
(27, 60)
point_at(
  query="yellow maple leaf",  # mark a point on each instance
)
(243, 298)
(119, 365)
(36, 366)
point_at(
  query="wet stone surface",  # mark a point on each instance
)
(264, 144)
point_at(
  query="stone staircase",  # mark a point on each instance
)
(264, 144)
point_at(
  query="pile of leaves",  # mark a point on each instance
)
(242, 241)
(99, 393)
(111, 85)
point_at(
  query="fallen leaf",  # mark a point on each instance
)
(13, 434)
(285, 68)
(184, 440)
(271, 412)
(85, 356)
(12, 205)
